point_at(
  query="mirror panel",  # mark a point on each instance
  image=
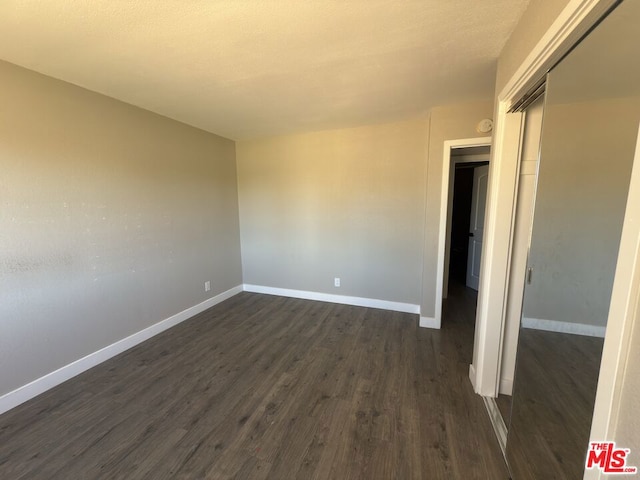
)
(591, 116)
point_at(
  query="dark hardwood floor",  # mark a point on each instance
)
(265, 387)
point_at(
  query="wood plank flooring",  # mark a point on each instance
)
(265, 387)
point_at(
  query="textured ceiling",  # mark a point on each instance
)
(247, 68)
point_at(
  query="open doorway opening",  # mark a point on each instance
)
(467, 221)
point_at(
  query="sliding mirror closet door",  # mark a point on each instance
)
(590, 126)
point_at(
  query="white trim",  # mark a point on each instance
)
(624, 313)
(497, 422)
(444, 205)
(506, 386)
(563, 327)
(429, 322)
(50, 380)
(473, 377)
(331, 298)
(575, 20)
(496, 257)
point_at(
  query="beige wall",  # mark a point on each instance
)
(343, 203)
(112, 218)
(350, 203)
(447, 123)
(533, 24)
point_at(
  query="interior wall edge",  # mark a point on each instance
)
(46, 382)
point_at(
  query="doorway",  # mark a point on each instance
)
(467, 220)
(460, 156)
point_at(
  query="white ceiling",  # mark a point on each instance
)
(247, 68)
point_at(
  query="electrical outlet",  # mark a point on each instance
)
(336, 282)
(207, 286)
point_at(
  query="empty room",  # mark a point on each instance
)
(319, 240)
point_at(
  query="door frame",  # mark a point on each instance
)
(577, 18)
(449, 145)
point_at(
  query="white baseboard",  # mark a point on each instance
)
(564, 327)
(499, 427)
(342, 299)
(472, 377)
(50, 380)
(506, 386)
(429, 322)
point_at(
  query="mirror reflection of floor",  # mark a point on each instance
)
(553, 406)
(504, 405)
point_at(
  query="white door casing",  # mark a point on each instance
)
(449, 145)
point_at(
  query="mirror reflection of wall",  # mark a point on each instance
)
(590, 126)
